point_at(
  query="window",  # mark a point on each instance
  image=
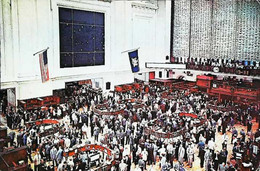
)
(160, 74)
(82, 38)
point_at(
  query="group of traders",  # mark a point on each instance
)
(125, 134)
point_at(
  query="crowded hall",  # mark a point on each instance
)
(130, 85)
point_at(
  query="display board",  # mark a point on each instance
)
(224, 29)
(82, 38)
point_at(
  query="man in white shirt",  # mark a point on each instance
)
(162, 150)
(59, 112)
(144, 155)
(84, 130)
(163, 160)
(190, 154)
(181, 154)
(126, 151)
(60, 167)
(75, 119)
(211, 145)
(71, 163)
(29, 140)
(201, 138)
(37, 161)
(137, 168)
(122, 166)
(53, 153)
(170, 152)
(67, 142)
(219, 124)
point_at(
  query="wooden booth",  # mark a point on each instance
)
(14, 159)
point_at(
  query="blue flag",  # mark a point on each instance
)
(134, 61)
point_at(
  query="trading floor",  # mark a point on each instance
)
(138, 127)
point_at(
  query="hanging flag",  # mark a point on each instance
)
(134, 61)
(11, 100)
(44, 66)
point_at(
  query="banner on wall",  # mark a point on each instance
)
(11, 97)
(134, 61)
(44, 66)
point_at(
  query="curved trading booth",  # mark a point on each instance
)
(104, 109)
(43, 122)
(93, 155)
(48, 124)
(182, 131)
(14, 159)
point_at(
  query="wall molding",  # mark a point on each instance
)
(148, 6)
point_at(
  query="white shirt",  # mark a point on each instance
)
(29, 141)
(58, 111)
(211, 144)
(84, 128)
(67, 142)
(145, 154)
(163, 161)
(22, 122)
(219, 122)
(162, 150)
(170, 148)
(122, 166)
(37, 159)
(60, 167)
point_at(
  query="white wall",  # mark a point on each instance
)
(142, 76)
(28, 26)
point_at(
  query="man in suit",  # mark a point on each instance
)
(201, 156)
(76, 167)
(48, 149)
(29, 152)
(11, 135)
(43, 153)
(24, 138)
(53, 154)
(19, 139)
(59, 154)
(42, 166)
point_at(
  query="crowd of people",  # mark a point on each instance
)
(244, 67)
(125, 133)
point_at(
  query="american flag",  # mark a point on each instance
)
(44, 66)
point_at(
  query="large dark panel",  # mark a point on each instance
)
(90, 42)
(66, 60)
(65, 15)
(99, 39)
(65, 38)
(84, 59)
(83, 38)
(83, 17)
(100, 59)
(82, 34)
(99, 19)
